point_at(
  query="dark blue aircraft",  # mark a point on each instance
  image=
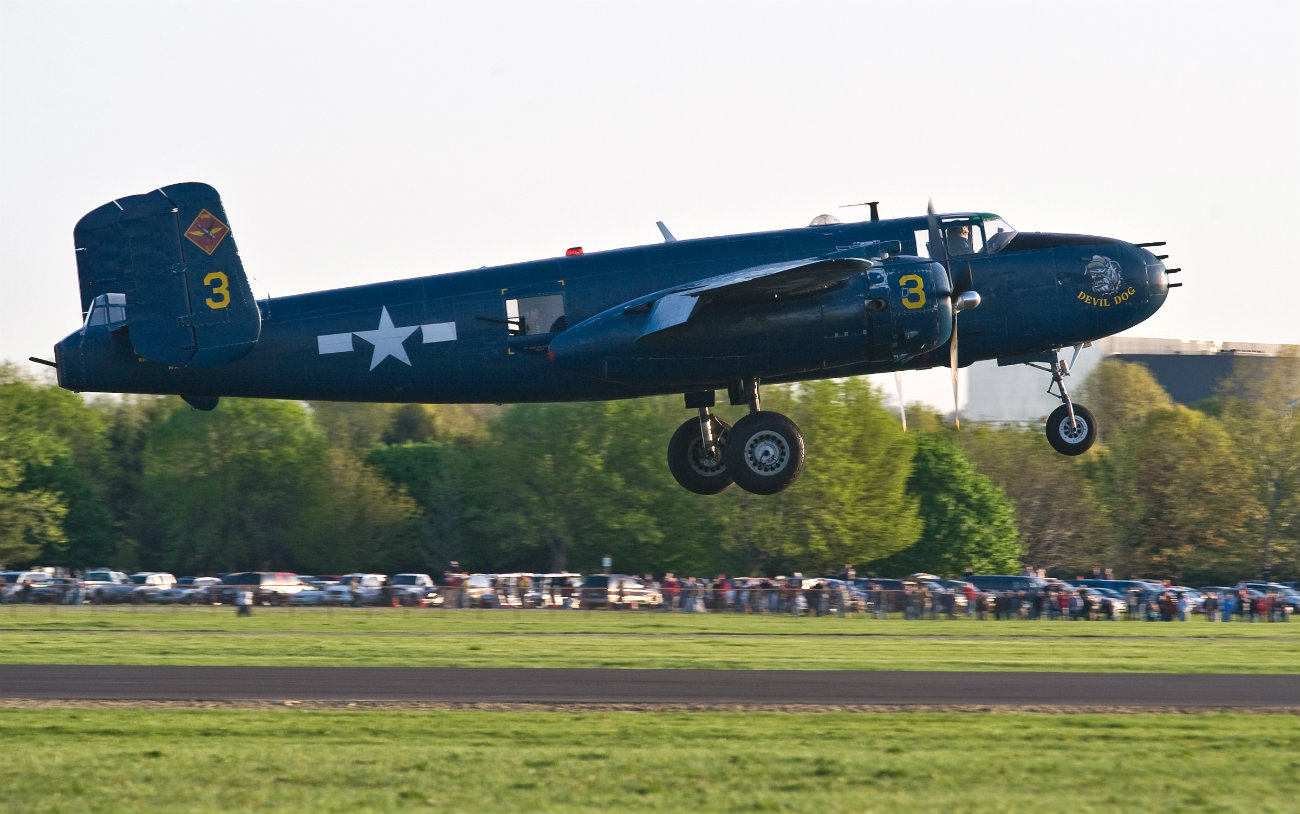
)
(167, 309)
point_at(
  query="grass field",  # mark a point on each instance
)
(145, 759)
(386, 637)
(323, 761)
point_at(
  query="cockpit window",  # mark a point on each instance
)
(963, 238)
(965, 235)
(997, 232)
(978, 234)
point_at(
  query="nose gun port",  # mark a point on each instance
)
(1158, 269)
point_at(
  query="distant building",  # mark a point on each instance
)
(1188, 369)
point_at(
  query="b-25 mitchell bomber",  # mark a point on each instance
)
(167, 309)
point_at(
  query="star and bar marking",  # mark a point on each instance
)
(388, 339)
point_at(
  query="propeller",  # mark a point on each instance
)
(963, 298)
(952, 363)
(902, 411)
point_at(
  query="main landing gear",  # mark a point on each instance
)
(1071, 429)
(763, 453)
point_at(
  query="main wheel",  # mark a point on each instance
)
(694, 467)
(1071, 439)
(764, 453)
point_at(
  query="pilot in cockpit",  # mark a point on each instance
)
(959, 239)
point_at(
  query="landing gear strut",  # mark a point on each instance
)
(1071, 429)
(763, 453)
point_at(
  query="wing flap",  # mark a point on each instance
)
(747, 285)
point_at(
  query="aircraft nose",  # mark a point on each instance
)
(1156, 275)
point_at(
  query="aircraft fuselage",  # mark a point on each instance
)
(448, 338)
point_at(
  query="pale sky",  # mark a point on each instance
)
(363, 142)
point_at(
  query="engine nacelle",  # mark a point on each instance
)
(898, 309)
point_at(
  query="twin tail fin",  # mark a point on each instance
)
(164, 267)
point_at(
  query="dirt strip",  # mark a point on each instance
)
(799, 709)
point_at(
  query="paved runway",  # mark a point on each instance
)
(647, 687)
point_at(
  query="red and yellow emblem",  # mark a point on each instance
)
(207, 232)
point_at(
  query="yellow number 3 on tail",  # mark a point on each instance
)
(220, 286)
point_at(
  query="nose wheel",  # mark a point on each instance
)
(1071, 434)
(1071, 429)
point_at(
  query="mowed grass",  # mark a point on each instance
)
(356, 761)
(432, 638)
(93, 758)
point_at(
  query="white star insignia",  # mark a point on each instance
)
(388, 339)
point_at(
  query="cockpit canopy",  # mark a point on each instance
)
(975, 234)
(107, 309)
(967, 234)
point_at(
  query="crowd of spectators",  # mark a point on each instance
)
(917, 597)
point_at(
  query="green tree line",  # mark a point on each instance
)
(1210, 493)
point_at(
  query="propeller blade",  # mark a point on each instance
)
(902, 411)
(963, 298)
(938, 248)
(952, 362)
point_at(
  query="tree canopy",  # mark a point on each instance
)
(147, 482)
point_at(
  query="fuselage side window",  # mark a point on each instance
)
(530, 316)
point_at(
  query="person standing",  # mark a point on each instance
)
(243, 603)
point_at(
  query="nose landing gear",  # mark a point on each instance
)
(1071, 428)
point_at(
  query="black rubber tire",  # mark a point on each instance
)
(764, 453)
(1070, 439)
(695, 470)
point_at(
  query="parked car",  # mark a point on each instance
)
(149, 583)
(94, 582)
(1195, 598)
(1005, 582)
(1290, 596)
(334, 595)
(414, 589)
(315, 596)
(268, 587)
(104, 586)
(480, 591)
(883, 594)
(188, 591)
(358, 588)
(1148, 590)
(54, 591)
(15, 580)
(1110, 603)
(841, 596)
(549, 590)
(617, 591)
(958, 589)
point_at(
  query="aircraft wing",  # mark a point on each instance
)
(787, 278)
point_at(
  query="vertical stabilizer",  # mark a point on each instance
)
(171, 256)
